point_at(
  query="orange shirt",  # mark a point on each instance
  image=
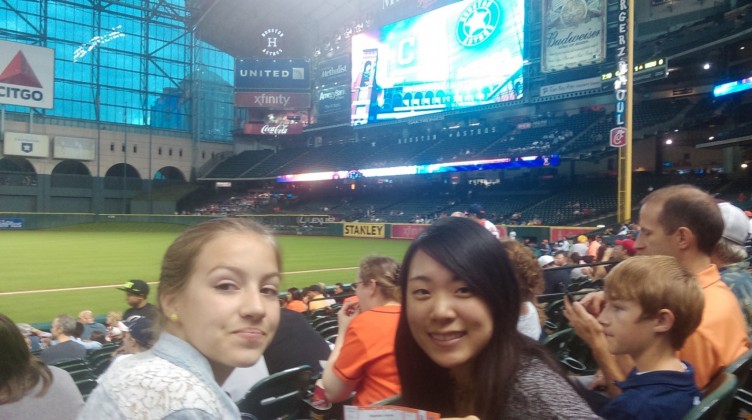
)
(722, 334)
(297, 306)
(367, 355)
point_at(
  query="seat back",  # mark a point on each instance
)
(571, 352)
(718, 398)
(86, 386)
(277, 396)
(741, 368)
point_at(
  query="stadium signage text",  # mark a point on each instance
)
(364, 230)
(272, 130)
(273, 100)
(574, 34)
(334, 71)
(270, 39)
(620, 85)
(17, 93)
(337, 93)
(314, 220)
(269, 74)
(11, 223)
(26, 75)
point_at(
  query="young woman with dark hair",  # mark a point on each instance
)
(29, 389)
(458, 349)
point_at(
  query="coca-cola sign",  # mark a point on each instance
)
(272, 129)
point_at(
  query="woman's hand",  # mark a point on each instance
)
(348, 311)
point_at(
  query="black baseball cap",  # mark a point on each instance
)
(137, 287)
(477, 210)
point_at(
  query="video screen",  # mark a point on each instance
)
(465, 54)
(435, 168)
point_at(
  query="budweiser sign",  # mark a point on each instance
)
(272, 129)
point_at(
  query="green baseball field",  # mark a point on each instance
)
(44, 273)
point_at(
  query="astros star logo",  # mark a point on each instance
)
(478, 22)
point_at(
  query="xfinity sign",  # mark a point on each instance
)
(268, 74)
(26, 75)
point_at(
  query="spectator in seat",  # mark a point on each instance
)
(458, 349)
(113, 332)
(652, 305)
(530, 278)
(295, 300)
(556, 280)
(684, 222)
(138, 336)
(29, 389)
(296, 343)
(339, 293)
(730, 256)
(316, 298)
(477, 213)
(63, 331)
(362, 359)
(218, 306)
(623, 249)
(136, 294)
(87, 344)
(581, 246)
(86, 317)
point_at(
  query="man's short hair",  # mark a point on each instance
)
(690, 207)
(315, 288)
(659, 282)
(67, 324)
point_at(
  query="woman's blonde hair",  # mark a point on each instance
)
(385, 272)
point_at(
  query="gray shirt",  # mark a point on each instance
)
(62, 401)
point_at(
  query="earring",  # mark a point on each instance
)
(174, 317)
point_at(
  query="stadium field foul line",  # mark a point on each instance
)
(71, 289)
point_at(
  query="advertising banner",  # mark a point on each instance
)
(407, 231)
(27, 75)
(571, 87)
(29, 145)
(271, 74)
(11, 223)
(273, 100)
(574, 34)
(334, 71)
(365, 230)
(272, 129)
(332, 100)
(73, 148)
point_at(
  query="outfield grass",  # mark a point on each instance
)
(109, 254)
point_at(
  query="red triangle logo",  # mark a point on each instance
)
(19, 72)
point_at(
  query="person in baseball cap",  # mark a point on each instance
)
(477, 213)
(627, 245)
(730, 256)
(137, 293)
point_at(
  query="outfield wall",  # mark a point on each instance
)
(286, 224)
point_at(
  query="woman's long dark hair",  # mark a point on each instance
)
(19, 370)
(465, 248)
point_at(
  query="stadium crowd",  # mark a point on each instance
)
(656, 315)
